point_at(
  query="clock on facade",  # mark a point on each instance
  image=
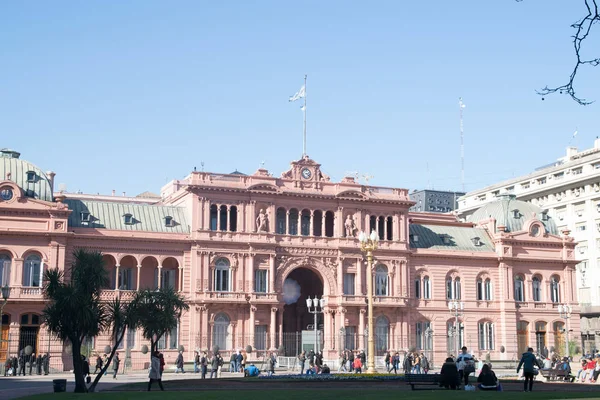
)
(6, 194)
(306, 174)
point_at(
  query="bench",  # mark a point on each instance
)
(423, 379)
(557, 375)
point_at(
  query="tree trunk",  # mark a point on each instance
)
(78, 366)
(118, 341)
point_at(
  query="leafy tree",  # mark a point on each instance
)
(157, 312)
(73, 310)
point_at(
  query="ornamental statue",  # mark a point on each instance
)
(262, 221)
(350, 227)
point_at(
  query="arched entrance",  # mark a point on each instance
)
(298, 323)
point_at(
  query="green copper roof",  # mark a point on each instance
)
(513, 213)
(12, 168)
(111, 215)
(453, 238)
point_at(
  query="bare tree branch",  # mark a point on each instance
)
(583, 27)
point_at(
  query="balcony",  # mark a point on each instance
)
(388, 301)
(354, 299)
(228, 296)
(263, 297)
(110, 295)
(25, 293)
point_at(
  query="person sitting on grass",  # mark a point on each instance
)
(325, 370)
(251, 370)
(449, 377)
(487, 379)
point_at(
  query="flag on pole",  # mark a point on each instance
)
(575, 133)
(303, 108)
(300, 94)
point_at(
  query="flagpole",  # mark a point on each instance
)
(304, 136)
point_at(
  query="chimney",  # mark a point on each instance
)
(51, 176)
(123, 194)
(597, 143)
(571, 151)
(113, 192)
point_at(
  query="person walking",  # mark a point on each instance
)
(395, 362)
(179, 363)
(214, 366)
(155, 374)
(528, 362)
(99, 364)
(387, 360)
(424, 364)
(196, 362)
(232, 362)
(116, 362)
(302, 361)
(203, 365)
(465, 364)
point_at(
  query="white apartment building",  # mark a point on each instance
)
(569, 191)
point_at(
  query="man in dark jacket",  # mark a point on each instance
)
(528, 362)
(116, 362)
(351, 359)
(99, 364)
(203, 365)
(179, 363)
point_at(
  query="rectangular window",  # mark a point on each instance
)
(486, 336)
(260, 281)
(424, 339)
(449, 289)
(558, 176)
(130, 338)
(580, 228)
(488, 289)
(174, 337)
(452, 337)
(351, 340)
(479, 289)
(162, 342)
(168, 279)
(349, 283)
(222, 280)
(260, 337)
(577, 171)
(541, 181)
(510, 189)
(125, 279)
(525, 185)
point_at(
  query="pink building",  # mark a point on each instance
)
(247, 250)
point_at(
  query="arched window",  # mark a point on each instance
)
(453, 288)
(536, 286)
(381, 281)
(519, 295)
(382, 330)
(487, 285)
(221, 278)
(540, 338)
(559, 337)
(417, 288)
(486, 336)
(484, 289)
(32, 271)
(281, 224)
(424, 337)
(426, 288)
(4, 269)
(554, 289)
(221, 336)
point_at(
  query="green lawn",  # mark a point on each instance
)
(321, 394)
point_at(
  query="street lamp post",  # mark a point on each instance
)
(457, 310)
(429, 343)
(368, 243)
(564, 310)
(316, 303)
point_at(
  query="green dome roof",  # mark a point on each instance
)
(34, 182)
(513, 213)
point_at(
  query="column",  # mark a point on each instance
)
(228, 216)
(116, 276)
(234, 286)
(139, 272)
(402, 227)
(272, 218)
(361, 328)
(367, 229)
(280, 326)
(299, 222)
(204, 327)
(311, 231)
(218, 217)
(250, 273)
(404, 277)
(287, 222)
(385, 228)
(340, 323)
(327, 323)
(395, 225)
(377, 225)
(272, 327)
(252, 324)
(233, 334)
(272, 273)
(340, 276)
(323, 213)
(250, 218)
(16, 273)
(159, 279)
(359, 289)
(338, 226)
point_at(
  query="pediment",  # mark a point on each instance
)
(527, 236)
(351, 194)
(265, 187)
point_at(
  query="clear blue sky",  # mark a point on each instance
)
(127, 95)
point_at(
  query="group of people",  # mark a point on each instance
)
(24, 364)
(202, 362)
(590, 369)
(349, 361)
(100, 362)
(414, 363)
(237, 361)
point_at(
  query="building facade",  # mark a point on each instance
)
(568, 190)
(437, 201)
(248, 250)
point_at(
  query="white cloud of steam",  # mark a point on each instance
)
(291, 291)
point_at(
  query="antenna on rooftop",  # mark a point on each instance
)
(366, 178)
(461, 106)
(353, 174)
(202, 165)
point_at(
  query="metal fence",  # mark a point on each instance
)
(41, 353)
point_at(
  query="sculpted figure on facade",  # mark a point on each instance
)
(350, 226)
(262, 221)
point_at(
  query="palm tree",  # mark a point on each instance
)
(157, 312)
(73, 310)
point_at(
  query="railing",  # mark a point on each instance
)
(539, 305)
(264, 296)
(354, 299)
(226, 295)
